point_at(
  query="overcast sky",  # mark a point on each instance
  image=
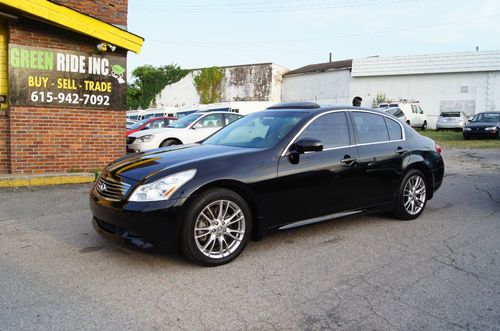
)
(294, 33)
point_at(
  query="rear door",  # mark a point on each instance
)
(321, 183)
(382, 151)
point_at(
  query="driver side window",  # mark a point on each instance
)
(331, 129)
(211, 121)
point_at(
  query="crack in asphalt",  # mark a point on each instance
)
(488, 193)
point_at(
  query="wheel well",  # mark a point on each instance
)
(427, 174)
(246, 193)
(175, 139)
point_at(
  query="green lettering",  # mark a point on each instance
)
(49, 61)
(25, 58)
(14, 57)
(33, 62)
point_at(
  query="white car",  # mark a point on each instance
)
(451, 120)
(188, 129)
(396, 112)
(414, 114)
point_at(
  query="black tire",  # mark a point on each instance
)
(403, 207)
(408, 122)
(466, 137)
(207, 248)
(424, 126)
(169, 142)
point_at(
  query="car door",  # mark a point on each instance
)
(204, 127)
(382, 151)
(320, 183)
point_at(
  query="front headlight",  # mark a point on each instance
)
(145, 138)
(162, 189)
(467, 129)
(491, 128)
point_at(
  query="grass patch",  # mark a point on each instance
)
(455, 139)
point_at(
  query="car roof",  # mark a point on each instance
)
(312, 107)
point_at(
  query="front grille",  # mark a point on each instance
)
(130, 140)
(111, 189)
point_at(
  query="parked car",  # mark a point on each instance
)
(396, 112)
(130, 123)
(414, 114)
(272, 170)
(451, 120)
(485, 124)
(189, 129)
(150, 123)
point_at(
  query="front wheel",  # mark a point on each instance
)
(216, 227)
(424, 126)
(412, 196)
(169, 142)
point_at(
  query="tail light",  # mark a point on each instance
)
(438, 149)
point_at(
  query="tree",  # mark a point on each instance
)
(378, 99)
(148, 81)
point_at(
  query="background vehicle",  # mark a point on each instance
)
(189, 129)
(150, 123)
(451, 120)
(486, 125)
(272, 170)
(396, 112)
(415, 116)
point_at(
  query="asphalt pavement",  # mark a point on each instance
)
(439, 272)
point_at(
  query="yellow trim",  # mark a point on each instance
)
(4, 86)
(42, 180)
(81, 23)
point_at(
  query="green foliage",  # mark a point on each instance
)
(455, 139)
(208, 85)
(148, 81)
(378, 99)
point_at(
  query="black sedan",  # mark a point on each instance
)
(485, 125)
(287, 166)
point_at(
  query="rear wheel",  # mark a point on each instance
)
(424, 126)
(216, 227)
(412, 196)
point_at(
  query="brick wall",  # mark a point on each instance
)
(4, 144)
(61, 140)
(109, 11)
(58, 139)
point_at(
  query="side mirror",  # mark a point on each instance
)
(145, 128)
(308, 145)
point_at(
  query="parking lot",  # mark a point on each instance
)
(438, 272)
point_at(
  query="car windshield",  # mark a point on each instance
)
(259, 130)
(138, 124)
(450, 114)
(184, 121)
(487, 117)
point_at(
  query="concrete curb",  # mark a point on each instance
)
(46, 179)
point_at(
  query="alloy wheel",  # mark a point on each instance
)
(219, 229)
(414, 195)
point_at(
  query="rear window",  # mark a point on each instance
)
(450, 114)
(370, 127)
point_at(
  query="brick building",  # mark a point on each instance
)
(62, 84)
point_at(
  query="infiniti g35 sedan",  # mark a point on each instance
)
(290, 165)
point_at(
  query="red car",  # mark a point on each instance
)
(150, 123)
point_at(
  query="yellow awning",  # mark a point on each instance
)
(78, 22)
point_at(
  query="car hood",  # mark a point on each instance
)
(141, 166)
(481, 124)
(154, 131)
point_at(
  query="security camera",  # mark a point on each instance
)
(103, 47)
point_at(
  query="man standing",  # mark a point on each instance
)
(356, 102)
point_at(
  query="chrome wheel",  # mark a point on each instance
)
(219, 229)
(414, 195)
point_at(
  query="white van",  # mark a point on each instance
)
(413, 112)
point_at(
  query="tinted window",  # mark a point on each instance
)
(394, 129)
(450, 114)
(414, 109)
(330, 129)
(420, 111)
(370, 127)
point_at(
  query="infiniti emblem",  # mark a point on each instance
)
(102, 187)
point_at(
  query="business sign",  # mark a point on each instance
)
(62, 78)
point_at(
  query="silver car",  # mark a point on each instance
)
(451, 120)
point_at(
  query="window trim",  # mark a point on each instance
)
(352, 132)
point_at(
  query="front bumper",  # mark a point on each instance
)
(146, 224)
(136, 147)
(480, 133)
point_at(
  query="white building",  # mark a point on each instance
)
(456, 81)
(247, 88)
